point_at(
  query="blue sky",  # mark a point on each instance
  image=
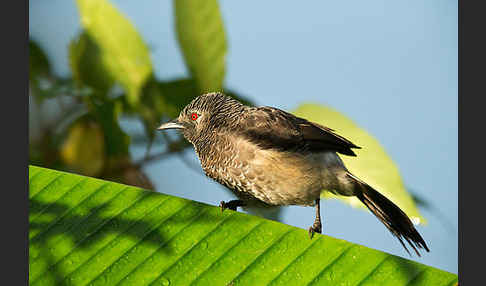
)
(391, 66)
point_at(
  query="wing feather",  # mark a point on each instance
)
(274, 128)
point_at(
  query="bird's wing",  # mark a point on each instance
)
(274, 128)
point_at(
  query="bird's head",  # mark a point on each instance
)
(205, 115)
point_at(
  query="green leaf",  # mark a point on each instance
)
(42, 83)
(87, 66)
(116, 140)
(89, 231)
(38, 63)
(123, 52)
(372, 164)
(200, 32)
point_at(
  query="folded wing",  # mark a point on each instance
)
(274, 128)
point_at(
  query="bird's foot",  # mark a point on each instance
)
(232, 205)
(316, 227)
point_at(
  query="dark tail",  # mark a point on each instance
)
(390, 215)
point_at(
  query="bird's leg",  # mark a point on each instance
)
(232, 205)
(317, 226)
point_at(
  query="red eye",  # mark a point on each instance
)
(194, 116)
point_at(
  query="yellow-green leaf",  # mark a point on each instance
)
(200, 32)
(123, 51)
(372, 164)
(83, 150)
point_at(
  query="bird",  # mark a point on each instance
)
(268, 157)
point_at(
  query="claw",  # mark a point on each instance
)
(315, 228)
(232, 205)
(222, 205)
(311, 232)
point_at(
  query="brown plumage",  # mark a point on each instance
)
(269, 157)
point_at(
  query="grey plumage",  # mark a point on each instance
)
(269, 157)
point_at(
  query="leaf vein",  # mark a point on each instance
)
(316, 278)
(195, 218)
(149, 232)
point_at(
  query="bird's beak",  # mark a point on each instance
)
(173, 124)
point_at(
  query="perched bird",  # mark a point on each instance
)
(269, 157)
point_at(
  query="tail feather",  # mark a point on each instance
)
(397, 222)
